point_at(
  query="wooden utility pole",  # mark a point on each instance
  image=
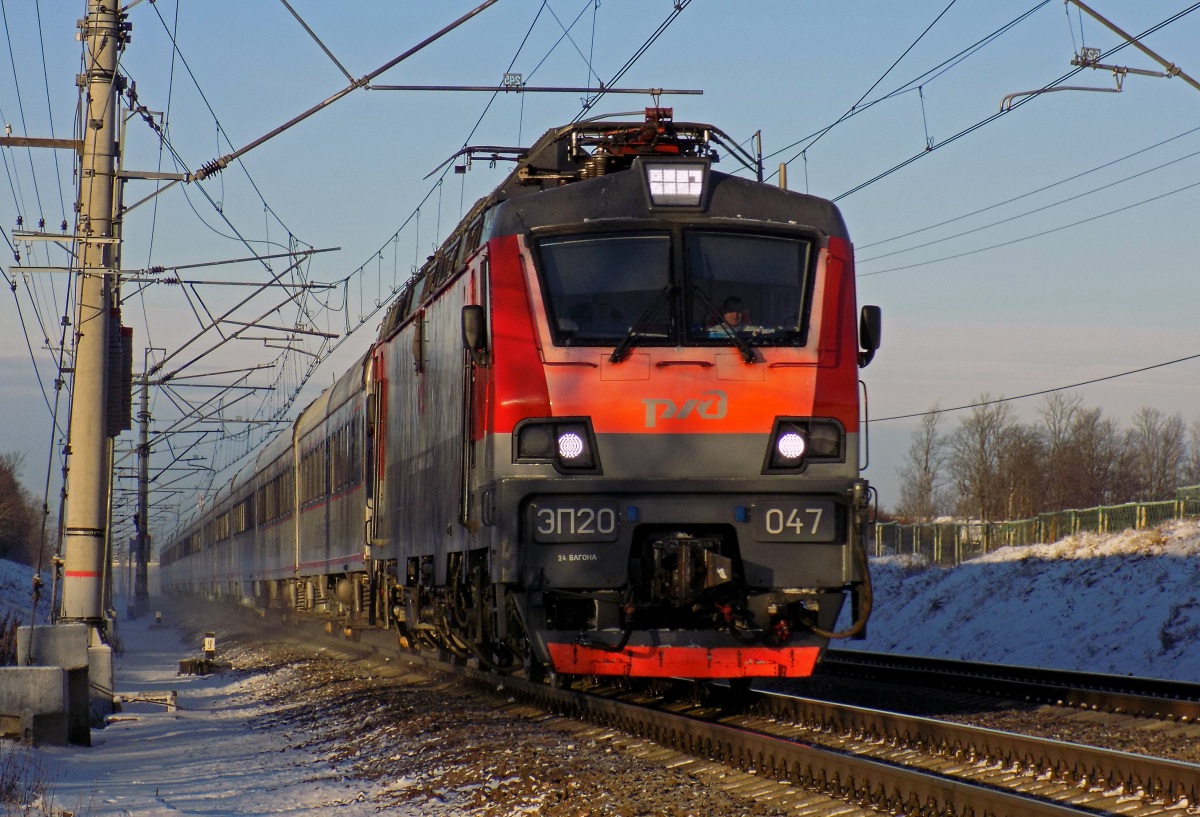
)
(88, 468)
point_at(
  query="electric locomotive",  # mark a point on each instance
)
(612, 427)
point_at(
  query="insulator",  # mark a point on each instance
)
(211, 169)
(597, 165)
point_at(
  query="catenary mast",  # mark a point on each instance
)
(88, 468)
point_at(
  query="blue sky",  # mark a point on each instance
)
(1020, 302)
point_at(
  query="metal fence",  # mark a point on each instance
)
(949, 543)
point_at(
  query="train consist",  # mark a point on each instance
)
(612, 427)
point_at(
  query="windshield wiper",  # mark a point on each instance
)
(622, 350)
(742, 344)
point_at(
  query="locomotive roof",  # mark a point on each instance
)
(580, 155)
(622, 196)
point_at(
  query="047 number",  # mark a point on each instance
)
(777, 522)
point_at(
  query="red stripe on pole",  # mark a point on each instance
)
(81, 574)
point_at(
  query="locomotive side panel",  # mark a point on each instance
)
(423, 458)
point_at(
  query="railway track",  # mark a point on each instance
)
(1125, 695)
(884, 761)
(800, 755)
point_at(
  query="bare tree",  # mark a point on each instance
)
(1095, 460)
(975, 458)
(1022, 472)
(1191, 466)
(18, 514)
(1060, 413)
(923, 487)
(1154, 450)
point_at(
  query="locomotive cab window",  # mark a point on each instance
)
(753, 285)
(660, 288)
(601, 287)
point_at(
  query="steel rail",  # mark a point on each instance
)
(1080, 765)
(884, 786)
(1119, 694)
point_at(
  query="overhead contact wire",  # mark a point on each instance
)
(680, 5)
(1040, 393)
(927, 77)
(1042, 189)
(1016, 104)
(1036, 210)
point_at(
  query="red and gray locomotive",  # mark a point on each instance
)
(612, 427)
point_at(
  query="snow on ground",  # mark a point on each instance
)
(217, 755)
(1125, 603)
(16, 594)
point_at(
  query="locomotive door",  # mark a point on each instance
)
(373, 464)
(474, 381)
(375, 448)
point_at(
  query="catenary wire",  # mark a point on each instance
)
(1042, 189)
(875, 84)
(925, 78)
(1034, 211)
(196, 83)
(20, 104)
(1032, 235)
(1014, 106)
(1040, 393)
(511, 63)
(678, 9)
(50, 109)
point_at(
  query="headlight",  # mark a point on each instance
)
(535, 442)
(797, 441)
(567, 443)
(675, 183)
(571, 446)
(790, 446)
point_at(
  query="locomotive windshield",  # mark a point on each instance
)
(599, 286)
(704, 288)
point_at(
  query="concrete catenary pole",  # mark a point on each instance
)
(141, 588)
(88, 467)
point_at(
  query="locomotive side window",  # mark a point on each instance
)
(599, 286)
(753, 285)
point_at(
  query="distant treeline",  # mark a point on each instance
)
(992, 467)
(20, 515)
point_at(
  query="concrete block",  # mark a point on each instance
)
(34, 705)
(65, 646)
(100, 682)
(54, 645)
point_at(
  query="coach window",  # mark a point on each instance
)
(769, 276)
(599, 286)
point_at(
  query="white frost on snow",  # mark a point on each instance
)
(1123, 603)
(204, 759)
